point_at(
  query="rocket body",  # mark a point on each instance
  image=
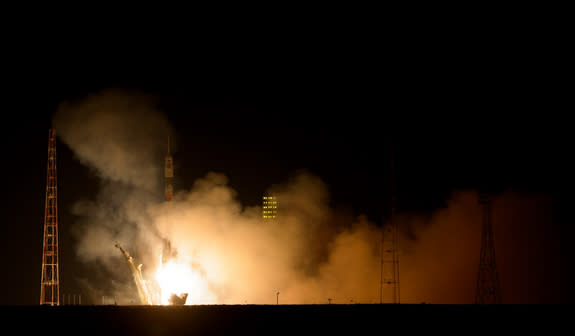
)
(169, 174)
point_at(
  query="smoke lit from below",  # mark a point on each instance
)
(224, 252)
(227, 254)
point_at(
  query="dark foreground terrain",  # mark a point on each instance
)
(423, 319)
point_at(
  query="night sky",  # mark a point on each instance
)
(469, 118)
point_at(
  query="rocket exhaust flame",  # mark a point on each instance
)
(177, 281)
(174, 280)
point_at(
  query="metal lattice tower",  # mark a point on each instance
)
(50, 286)
(487, 290)
(389, 276)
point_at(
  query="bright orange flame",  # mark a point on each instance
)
(176, 277)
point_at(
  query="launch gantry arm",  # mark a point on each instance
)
(138, 279)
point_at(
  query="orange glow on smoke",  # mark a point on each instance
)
(176, 277)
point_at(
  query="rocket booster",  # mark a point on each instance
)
(169, 174)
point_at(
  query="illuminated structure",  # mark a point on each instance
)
(270, 207)
(487, 290)
(50, 285)
(174, 299)
(169, 174)
(141, 285)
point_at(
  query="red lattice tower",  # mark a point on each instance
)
(50, 287)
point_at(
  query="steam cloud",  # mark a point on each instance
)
(308, 255)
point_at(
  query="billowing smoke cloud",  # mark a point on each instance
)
(440, 264)
(307, 254)
(119, 133)
(121, 136)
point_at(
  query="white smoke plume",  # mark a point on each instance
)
(235, 256)
(113, 132)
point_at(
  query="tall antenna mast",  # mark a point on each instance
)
(487, 290)
(50, 285)
(389, 276)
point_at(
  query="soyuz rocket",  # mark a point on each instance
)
(169, 174)
(174, 299)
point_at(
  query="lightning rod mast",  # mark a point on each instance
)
(389, 272)
(50, 284)
(487, 288)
